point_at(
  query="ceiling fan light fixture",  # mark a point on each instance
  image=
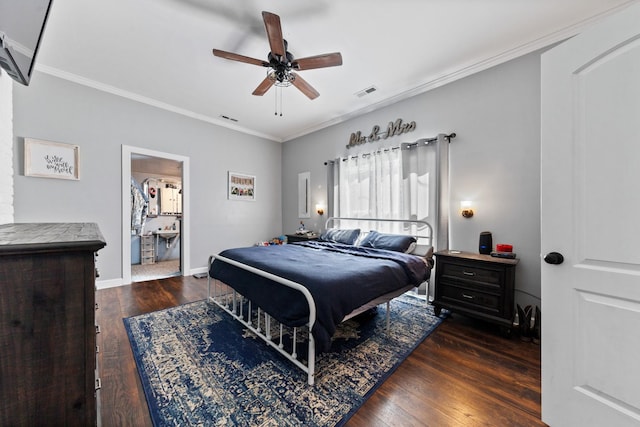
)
(281, 78)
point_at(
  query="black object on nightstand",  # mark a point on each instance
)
(292, 238)
(477, 285)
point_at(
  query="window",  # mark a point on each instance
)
(394, 183)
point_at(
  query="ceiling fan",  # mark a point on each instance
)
(281, 63)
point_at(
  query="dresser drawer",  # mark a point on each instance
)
(147, 260)
(471, 273)
(145, 246)
(470, 298)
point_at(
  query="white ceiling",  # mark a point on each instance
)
(159, 51)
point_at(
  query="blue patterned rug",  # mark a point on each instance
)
(200, 367)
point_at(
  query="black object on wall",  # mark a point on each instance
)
(486, 243)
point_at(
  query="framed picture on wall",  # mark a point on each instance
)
(241, 186)
(48, 159)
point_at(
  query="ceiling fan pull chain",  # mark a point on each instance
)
(278, 91)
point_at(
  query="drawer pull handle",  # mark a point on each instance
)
(467, 296)
(468, 273)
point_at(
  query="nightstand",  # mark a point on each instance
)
(291, 238)
(479, 286)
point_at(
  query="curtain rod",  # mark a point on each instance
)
(422, 141)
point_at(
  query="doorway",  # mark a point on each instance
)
(154, 215)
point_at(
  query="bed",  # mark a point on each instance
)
(289, 290)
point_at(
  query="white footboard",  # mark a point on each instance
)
(233, 304)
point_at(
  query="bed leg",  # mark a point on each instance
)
(294, 354)
(311, 363)
(388, 316)
(249, 313)
(233, 305)
(258, 326)
(267, 326)
(281, 345)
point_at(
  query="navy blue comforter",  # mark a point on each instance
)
(340, 278)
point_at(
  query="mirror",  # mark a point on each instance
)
(165, 196)
(150, 186)
(304, 195)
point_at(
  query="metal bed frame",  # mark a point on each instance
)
(234, 303)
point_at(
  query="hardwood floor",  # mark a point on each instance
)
(463, 374)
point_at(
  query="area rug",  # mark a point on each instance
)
(198, 366)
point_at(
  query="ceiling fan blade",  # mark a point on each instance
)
(318, 61)
(263, 87)
(274, 33)
(305, 87)
(240, 58)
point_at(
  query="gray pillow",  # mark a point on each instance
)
(390, 242)
(335, 235)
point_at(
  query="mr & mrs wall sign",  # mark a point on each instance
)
(394, 128)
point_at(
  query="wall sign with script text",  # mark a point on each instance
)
(46, 159)
(394, 128)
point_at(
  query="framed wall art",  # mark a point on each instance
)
(241, 187)
(48, 159)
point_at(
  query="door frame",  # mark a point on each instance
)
(127, 151)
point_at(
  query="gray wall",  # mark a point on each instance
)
(57, 110)
(6, 148)
(494, 161)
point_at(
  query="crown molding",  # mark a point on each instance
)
(83, 81)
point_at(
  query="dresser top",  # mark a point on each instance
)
(476, 256)
(42, 236)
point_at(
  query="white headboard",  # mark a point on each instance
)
(421, 230)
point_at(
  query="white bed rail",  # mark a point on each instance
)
(236, 311)
(418, 228)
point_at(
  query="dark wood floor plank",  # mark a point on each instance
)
(465, 373)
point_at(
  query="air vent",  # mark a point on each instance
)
(366, 91)
(228, 118)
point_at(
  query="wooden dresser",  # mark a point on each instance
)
(48, 368)
(477, 285)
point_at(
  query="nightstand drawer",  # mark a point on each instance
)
(470, 298)
(471, 273)
(292, 238)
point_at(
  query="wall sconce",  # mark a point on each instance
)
(320, 209)
(466, 208)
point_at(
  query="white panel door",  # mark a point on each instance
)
(590, 168)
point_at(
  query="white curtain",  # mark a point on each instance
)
(391, 184)
(407, 182)
(369, 185)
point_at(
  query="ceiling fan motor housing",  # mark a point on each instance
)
(281, 68)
